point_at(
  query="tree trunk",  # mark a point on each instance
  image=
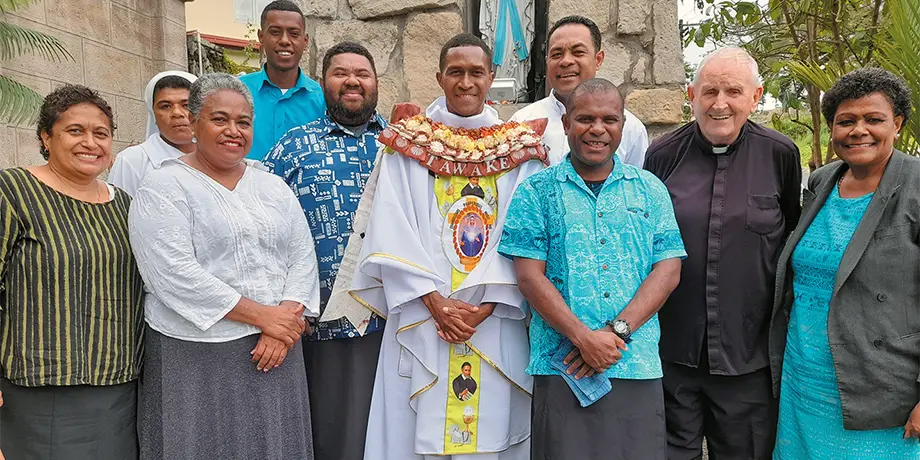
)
(814, 105)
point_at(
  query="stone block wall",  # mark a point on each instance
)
(640, 38)
(405, 38)
(117, 45)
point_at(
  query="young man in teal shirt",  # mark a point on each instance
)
(596, 252)
(284, 96)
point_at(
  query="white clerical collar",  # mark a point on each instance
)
(437, 111)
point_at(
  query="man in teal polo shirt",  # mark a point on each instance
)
(284, 97)
(596, 251)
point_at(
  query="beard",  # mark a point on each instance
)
(343, 115)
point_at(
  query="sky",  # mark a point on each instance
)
(688, 13)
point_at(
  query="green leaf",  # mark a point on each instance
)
(7, 6)
(691, 35)
(18, 103)
(746, 8)
(16, 41)
(822, 77)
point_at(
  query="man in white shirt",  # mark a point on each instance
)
(574, 55)
(169, 132)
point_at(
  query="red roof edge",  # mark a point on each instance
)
(226, 42)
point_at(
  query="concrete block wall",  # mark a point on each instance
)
(117, 45)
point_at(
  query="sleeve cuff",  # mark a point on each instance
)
(671, 254)
(205, 323)
(511, 252)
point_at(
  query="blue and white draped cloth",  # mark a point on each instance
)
(511, 57)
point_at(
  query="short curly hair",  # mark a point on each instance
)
(347, 48)
(63, 98)
(459, 41)
(863, 82)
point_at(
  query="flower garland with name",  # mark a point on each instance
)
(450, 151)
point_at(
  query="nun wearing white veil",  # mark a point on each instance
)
(169, 132)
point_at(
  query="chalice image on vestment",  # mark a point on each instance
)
(469, 415)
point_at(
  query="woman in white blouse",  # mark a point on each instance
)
(229, 263)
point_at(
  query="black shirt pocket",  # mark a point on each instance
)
(763, 214)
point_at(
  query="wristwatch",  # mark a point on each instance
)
(621, 329)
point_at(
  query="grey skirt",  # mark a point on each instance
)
(207, 401)
(69, 422)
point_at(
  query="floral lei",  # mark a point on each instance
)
(466, 152)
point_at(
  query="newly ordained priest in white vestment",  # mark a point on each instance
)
(415, 412)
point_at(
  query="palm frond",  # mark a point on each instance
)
(18, 103)
(16, 41)
(899, 52)
(823, 77)
(7, 6)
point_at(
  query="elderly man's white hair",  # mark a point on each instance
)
(731, 53)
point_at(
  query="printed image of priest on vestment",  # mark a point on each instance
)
(451, 379)
(464, 384)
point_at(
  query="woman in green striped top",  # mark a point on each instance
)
(71, 315)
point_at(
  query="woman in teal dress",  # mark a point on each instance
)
(845, 335)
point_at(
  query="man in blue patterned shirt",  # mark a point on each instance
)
(327, 163)
(597, 251)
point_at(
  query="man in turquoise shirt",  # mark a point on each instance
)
(597, 251)
(284, 97)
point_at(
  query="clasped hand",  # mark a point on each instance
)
(455, 320)
(594, 353)
(282, 327)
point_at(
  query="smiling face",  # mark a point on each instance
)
(350, 87)
(594, 127)
(465, 79)
(283, 39)
(723, 97)
(224, 129)
(571, 58)
(864, 130)
(466, 370)
(80, 142)
(170, 108)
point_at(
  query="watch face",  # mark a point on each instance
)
(620, 327)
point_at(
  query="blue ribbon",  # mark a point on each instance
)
(507, 9)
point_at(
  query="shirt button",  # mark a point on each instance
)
(604, 266)
(878, 343)
(600, 214)
(882, 297)
(606, 295)
(646, 215)
(603, 241)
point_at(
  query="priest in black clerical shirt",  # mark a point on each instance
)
(736, 188)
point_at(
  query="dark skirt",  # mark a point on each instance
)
(208, 401)
(626, 424)
(69, 422)
(341, 374)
